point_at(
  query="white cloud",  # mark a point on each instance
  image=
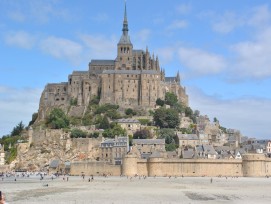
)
(183, 8)
(62, 48)
(17, 105)
(253, 57)
(177, 24)
(143, 35)
(17, 16)
(100, 46)
(20, 39)
(166, 54)
(200, 62)
(249, 115)
(227, 23)
(100, 17)
(36, 11)
(260, 16)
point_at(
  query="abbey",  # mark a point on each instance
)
(134, 79)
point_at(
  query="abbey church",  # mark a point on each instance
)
(134, 79)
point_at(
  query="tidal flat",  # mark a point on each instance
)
(135, 190)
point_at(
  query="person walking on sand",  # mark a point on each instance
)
(211, 180)
(2, 198)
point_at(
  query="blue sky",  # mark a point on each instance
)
(221, 48)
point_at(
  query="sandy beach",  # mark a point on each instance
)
(136, 190)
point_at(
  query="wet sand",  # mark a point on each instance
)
(150, 190)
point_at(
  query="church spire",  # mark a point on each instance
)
(125, 22)
(125, 39)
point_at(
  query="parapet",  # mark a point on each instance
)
(253, 157)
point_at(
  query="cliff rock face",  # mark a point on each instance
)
(47, 145)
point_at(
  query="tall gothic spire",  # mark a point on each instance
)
(125, 39)
(125, 22)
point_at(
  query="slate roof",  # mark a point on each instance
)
(188, 154)
(206, 148)
(102, 62)
(113, 141)
(170, 79)
(187, 136)
(54, 164)
(127, 120)
(79, 72)
(138, 51)
(148, 141)
(130, 72)
(155, 154)
(222, 148)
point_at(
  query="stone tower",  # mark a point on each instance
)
(125, 47)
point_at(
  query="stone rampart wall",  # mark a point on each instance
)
(4, 168)
(194, 167)
(94, 168)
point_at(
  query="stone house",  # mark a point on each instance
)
(188, 153)
(206, 152)
(143, 148)
(129, 124)
(185, 140)
(113, 150)
(2, 155)
(268, 148)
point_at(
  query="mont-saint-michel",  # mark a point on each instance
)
(125, 118)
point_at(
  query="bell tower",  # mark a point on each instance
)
(125, 47)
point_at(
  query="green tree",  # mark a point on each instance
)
(34, 118)
(57, 119)
(104, 123)
(115, 130)
(169, 136)
(196, 113)
(17, 130)
(179, 107)
(166, 118)
(170, 99)
(160, 102)
(130, 111)
(142, 134)
(188, 112)
(144, 121)
(171, 147)
(87, 119)
(77, 133)
(73, 102)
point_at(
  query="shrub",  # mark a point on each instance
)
(77, 133)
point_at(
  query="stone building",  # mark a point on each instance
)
(185, 140)
(129, 124)
(2, 155)
(113, 150)
(144, 148)
(134, 79)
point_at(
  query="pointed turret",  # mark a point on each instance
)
(178, 77)
(157, 63)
